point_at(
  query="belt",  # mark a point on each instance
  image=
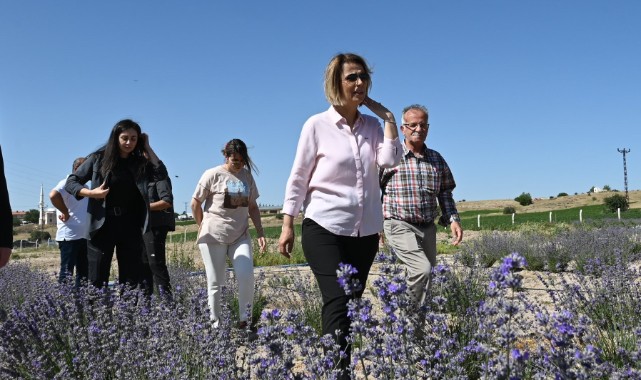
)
(116, 211)
(419, 224)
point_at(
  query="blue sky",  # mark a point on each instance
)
(524, 96)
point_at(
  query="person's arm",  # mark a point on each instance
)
(254, 214)
(457, 230)
(286, 240)
(391, 131)
(164, 196)
(151, 155)
(99, 192)
(197, 211)
(159, 205)
(58, 202)
(446, 201)
(298, 185)
(6, 218)
(76, 181)
(5, 255)
(389, 149)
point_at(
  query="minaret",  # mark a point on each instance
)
(43, 217)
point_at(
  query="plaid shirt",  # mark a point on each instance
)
(413, 190)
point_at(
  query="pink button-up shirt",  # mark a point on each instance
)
(335, 173)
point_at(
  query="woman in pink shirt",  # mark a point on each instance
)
(334, 179)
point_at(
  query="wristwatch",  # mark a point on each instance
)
(455, 218)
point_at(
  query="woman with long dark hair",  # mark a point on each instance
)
(118, 201)
(229, 194)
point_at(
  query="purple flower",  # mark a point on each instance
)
(345, 277)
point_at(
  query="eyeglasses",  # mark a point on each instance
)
(355, 76)
(414, 126)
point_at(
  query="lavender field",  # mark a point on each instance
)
(485, 320)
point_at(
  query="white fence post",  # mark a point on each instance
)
(512, 218)
(619, 213)
(550, 216)
(581, 215)
(478, 220)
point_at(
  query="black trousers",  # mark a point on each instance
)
(154, 260)
(324, 251)
(125, 235)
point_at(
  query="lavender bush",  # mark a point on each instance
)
(294, 288)
(582, 245)
(479, 322)
(110, 334)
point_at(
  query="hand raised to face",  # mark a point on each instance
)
(379, 109)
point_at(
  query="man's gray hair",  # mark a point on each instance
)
(418, 107)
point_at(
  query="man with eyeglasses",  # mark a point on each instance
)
(411, 194)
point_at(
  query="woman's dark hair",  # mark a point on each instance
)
(238, 146)
(111, 150)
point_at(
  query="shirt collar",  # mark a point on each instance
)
(408, 153)
(337, 117)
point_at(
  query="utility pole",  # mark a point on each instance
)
(625, 172)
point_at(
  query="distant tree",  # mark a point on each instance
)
(591, 190)
(606, 188)
(524, 199)
(32, 216)
(509, 210)
(617, 201)
(562, 195)
(39, 235)
(16, 221)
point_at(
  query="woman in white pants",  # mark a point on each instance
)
(229, 194)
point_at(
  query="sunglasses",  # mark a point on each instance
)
(355, 76)
(414, 126)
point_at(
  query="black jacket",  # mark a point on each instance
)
(90, 171)
(161, 190)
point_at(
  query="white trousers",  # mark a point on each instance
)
(240, 255)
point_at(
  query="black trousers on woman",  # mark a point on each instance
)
(324, 251)
(124, 234)
(154, 259)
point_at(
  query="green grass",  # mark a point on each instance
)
(475, 213)
(274, 258)
(571, 215)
